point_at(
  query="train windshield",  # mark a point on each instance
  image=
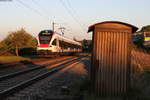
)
(45, 37)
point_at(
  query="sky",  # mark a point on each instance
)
(75, 15)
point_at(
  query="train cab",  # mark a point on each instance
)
(44, 40)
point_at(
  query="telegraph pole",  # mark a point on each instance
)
(53, 26)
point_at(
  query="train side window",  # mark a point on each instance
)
(61, 43)
(71, 46)
(54, 42)
(65, 45)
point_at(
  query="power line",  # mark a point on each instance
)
(68, 2)
(39, 13)
(46, 11)
(39, 6)
(42, 8)
(71, 14)
(73, 10)
(30, 8)
(69, 11)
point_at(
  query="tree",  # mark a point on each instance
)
(145, 28)
(84, 45)
(2, 45)
(87, 45)
(84, 42)
(17, 40)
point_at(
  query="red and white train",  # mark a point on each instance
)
(52, 43)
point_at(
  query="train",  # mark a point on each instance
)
(142, 39)
(53, 43)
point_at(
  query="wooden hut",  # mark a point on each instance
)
(111, 57)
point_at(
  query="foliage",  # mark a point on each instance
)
(138, 40)
(2, 45)
(84, 42)
(7, 59)
(87, 45)
(17, 40)
(145, 28)
(27, 51)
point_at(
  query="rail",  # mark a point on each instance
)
(26, 83)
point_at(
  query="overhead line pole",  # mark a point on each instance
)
(53, 26)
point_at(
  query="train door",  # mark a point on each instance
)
(61, 47)
(58, 46)
(54, 46)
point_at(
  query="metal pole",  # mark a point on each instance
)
(53, 26)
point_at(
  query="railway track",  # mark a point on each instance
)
(7, 65)
(18, 71)
(14, 82)
(20, 67)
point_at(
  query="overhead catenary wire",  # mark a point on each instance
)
(42, 8)
(46, 12)
(31, 8)
(70, 6)
(74, 11)
(71, 14)
(54, 21)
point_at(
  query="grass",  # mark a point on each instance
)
(8, 59)
(140, 83)
(140, 87)
(32, 57)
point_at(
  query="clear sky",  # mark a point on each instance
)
(75, 15)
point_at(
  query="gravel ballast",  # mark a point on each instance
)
(65, 85)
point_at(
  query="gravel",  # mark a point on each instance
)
(65, 85)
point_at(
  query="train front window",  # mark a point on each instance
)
(45, 39)
(45, 36)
